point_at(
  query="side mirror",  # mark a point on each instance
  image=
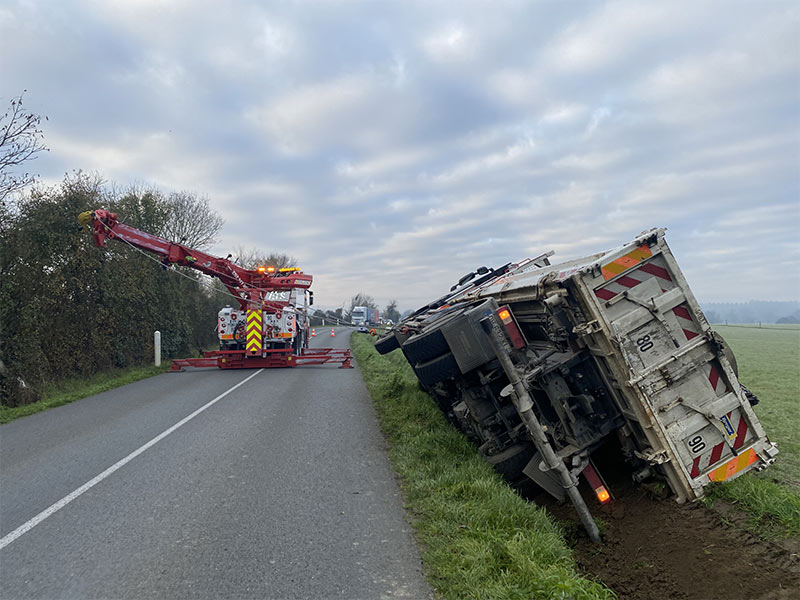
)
(310, 298)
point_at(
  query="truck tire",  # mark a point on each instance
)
(729, 355)
(430, 342)
(437, 369)
(511, 461)
(386, 344)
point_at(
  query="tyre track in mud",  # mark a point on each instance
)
(654, 548)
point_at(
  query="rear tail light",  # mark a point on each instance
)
(600, 490)
(512, 329)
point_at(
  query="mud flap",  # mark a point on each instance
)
(544, 479)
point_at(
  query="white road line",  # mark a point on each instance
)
(26, 527)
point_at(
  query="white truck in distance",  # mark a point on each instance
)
(542, 365)
(364, 315)
(359, 315)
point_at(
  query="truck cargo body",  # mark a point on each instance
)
(358, 316)
(373, 316)
(612, 346)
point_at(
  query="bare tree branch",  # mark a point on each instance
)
(192, 221)
(20, 141)
(250, 258)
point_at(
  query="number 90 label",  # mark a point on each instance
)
(695, 443)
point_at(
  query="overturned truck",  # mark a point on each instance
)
(542, 364)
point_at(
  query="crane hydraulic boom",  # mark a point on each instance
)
(271, 329)
(251, 287)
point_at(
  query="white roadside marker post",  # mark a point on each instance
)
(157, 347)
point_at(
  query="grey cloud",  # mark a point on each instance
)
(392, 147)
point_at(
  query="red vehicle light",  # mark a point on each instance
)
(514, 334)
(593, 477)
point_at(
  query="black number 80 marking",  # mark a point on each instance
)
(644, 343)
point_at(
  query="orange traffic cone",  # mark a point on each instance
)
(313, 332)
(332, 333)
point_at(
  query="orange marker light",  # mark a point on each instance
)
(271, 269)
(504, 314)
(602, 494)
(262, 269)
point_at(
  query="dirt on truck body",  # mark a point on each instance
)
(542, 365)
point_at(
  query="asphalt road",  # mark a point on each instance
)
(280, 489)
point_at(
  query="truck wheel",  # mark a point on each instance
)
(386, 344)
(729, 355)
(430, 342)
(511, 461)
(437, 369)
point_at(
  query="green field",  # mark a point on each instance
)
(769, 365)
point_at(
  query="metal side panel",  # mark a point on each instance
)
(466, 338)
(687, 400)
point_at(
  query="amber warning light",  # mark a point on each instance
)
(514, 334)
(600, 490)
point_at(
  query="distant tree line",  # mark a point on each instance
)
(754, 311)
(68, 308)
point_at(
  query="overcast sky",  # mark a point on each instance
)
(393, 146)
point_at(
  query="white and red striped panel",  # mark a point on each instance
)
(715, 378)
(714, 455)
(687, 323)
(655, 267)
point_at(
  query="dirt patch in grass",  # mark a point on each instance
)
(654, 548)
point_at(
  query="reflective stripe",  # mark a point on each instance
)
(733, 466)
(254, 332)
(623, 263)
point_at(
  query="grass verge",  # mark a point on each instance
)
(75, 389)
(769, 363)
(479, 538)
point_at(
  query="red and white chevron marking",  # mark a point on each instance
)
(716, 380)
(713, 456)
(686, 322)
(655, 267)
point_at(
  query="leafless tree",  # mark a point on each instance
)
(361, 299)
(250, 258)
(20, 141)
(191, 220)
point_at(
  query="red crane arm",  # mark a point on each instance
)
(249, 286)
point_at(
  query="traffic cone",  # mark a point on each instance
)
(332, 333)
(313, 332)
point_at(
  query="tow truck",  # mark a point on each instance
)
(270, 327)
